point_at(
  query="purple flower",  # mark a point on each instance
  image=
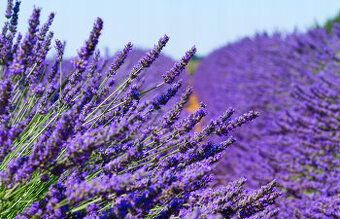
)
(9, 9)
(170, 75)
(81, 61)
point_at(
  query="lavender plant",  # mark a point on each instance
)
(76, 144)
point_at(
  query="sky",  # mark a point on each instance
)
(207, 24)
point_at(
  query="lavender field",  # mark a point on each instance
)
(251, 130)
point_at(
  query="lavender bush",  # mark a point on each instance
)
(295, 140)
(75, 143)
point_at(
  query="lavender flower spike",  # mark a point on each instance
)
(9, 9)
(59, 46)
(150, 57)
(44, 29)
(178, 67)
(85, 52)
(14, 19)
(5, 94)
(119, 60)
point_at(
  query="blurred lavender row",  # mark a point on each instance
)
(293, 81)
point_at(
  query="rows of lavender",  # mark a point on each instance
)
(293, 81)
(95, 139)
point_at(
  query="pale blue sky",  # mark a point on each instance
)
(207, 24)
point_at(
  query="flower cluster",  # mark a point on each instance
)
(76, 143)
